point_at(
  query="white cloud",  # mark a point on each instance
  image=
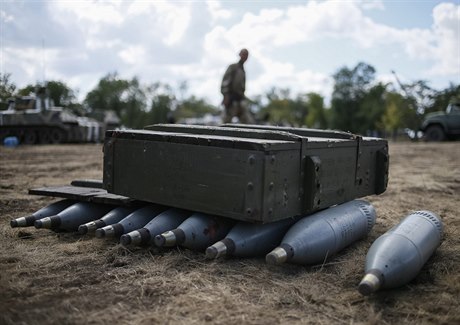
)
(107, 12)
(97, 43)
(171, 41)
(276, 28)
(286, 75)
(446, 28)
(372, 4)
(217, 12)
(133, 54)
(315, 20)
(174, 18)
(167, 20)
(169, 17)
(417, 43)
(37, 72)
(5, 17)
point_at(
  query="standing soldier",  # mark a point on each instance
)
(233, 87)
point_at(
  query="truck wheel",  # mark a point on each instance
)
(56, 136)
(30, 137)
(434, 133)
(44, 137)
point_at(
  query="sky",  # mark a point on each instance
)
(292, 44)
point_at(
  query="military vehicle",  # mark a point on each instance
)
(33, 119)
(439, 126)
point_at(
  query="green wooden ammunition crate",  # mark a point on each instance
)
(251, 173)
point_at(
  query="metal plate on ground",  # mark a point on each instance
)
(87, 194)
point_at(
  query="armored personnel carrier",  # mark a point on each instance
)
(33, 119)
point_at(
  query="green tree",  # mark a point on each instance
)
(60, 93)
(317, 114)
(126, 98)
(160, 111)
(7, 88)
(305, 109)
(392, 118)
(193, 107)
(442, 98)
(281, 109)
(109, 94)
(27, 90)
(299, 109)
(350, 89)
(418, 97)
(133, 113)
(162, 102)
(371, 109)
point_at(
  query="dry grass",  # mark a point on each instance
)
(50, 278)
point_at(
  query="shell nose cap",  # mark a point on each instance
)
(43, 223)
(167, 239)
(125, 239)
(217, 250)
(276, 256)
(369, 284)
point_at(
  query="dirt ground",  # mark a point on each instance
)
(65, 278)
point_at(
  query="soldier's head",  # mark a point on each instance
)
(244, 55)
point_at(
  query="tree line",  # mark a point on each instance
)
(359, 103)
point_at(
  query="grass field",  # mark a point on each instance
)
(65, 278)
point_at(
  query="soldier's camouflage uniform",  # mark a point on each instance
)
(233, 86)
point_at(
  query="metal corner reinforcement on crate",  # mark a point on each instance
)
(252, 173)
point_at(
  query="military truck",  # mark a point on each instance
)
(440, 126)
